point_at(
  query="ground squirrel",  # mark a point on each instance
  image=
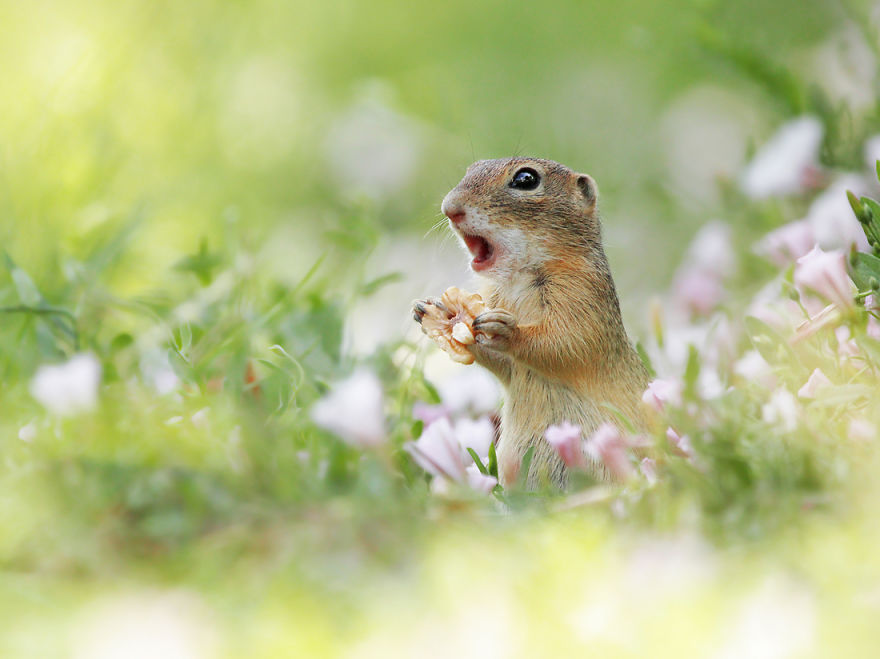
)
(552, 332)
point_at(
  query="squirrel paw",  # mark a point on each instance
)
(431, 307)
(494, 328)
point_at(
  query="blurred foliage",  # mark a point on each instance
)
(177, 197)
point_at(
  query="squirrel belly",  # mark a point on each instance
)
(552, 331)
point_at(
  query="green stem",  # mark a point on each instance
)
(49, 311)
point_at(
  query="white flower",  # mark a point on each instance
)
(787, 162)
(662, 391)
(814, 384)
(754, 368)
(709, 384)
(68, 388)
(782, 409)
(157, 370)
(825, 273)
(711, 250)
(862, 430)
(353, 410)
(787, 243)
(475, 434)
(28, 432)
(566, 439)
(831, 218)
(472, 390)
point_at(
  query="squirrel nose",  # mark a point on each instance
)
(454, 210)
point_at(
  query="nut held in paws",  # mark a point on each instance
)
(462, 333)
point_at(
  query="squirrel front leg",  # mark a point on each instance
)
(496, 362)
(536, 345)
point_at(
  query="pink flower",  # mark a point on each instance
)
(681, 444)
(787, 163)
(697, 292)
(428, 414)
(873, 329)
(662, 391)
(566, 439)
(787, 243)
(479, 481)
(439, 452)
(816, 382)
(825, 274)
(353, 410)
(609, 447)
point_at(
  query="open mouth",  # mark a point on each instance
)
(482, 250)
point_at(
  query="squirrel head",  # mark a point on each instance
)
(518, 213)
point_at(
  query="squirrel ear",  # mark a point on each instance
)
(588, 188)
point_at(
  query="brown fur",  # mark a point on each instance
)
(561, 350)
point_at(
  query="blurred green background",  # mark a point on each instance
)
(197, 182)
(176, 119)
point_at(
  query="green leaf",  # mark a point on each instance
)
(778, 81)
(869, 346)
(478, 462)
(27, 290)
(202, 264)
(374, 285)
(524, 467)
(855, 204)
(493, 460)
(842, 394)
(183, 339)
(623, 418)
(692, 371)
(768, 342)
(871, 221)
(646, 360)
(417, 428)
(433, 394)
(864, 270)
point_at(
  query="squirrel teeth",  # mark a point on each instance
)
(463, 334)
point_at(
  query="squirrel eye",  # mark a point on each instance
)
(525, 179)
